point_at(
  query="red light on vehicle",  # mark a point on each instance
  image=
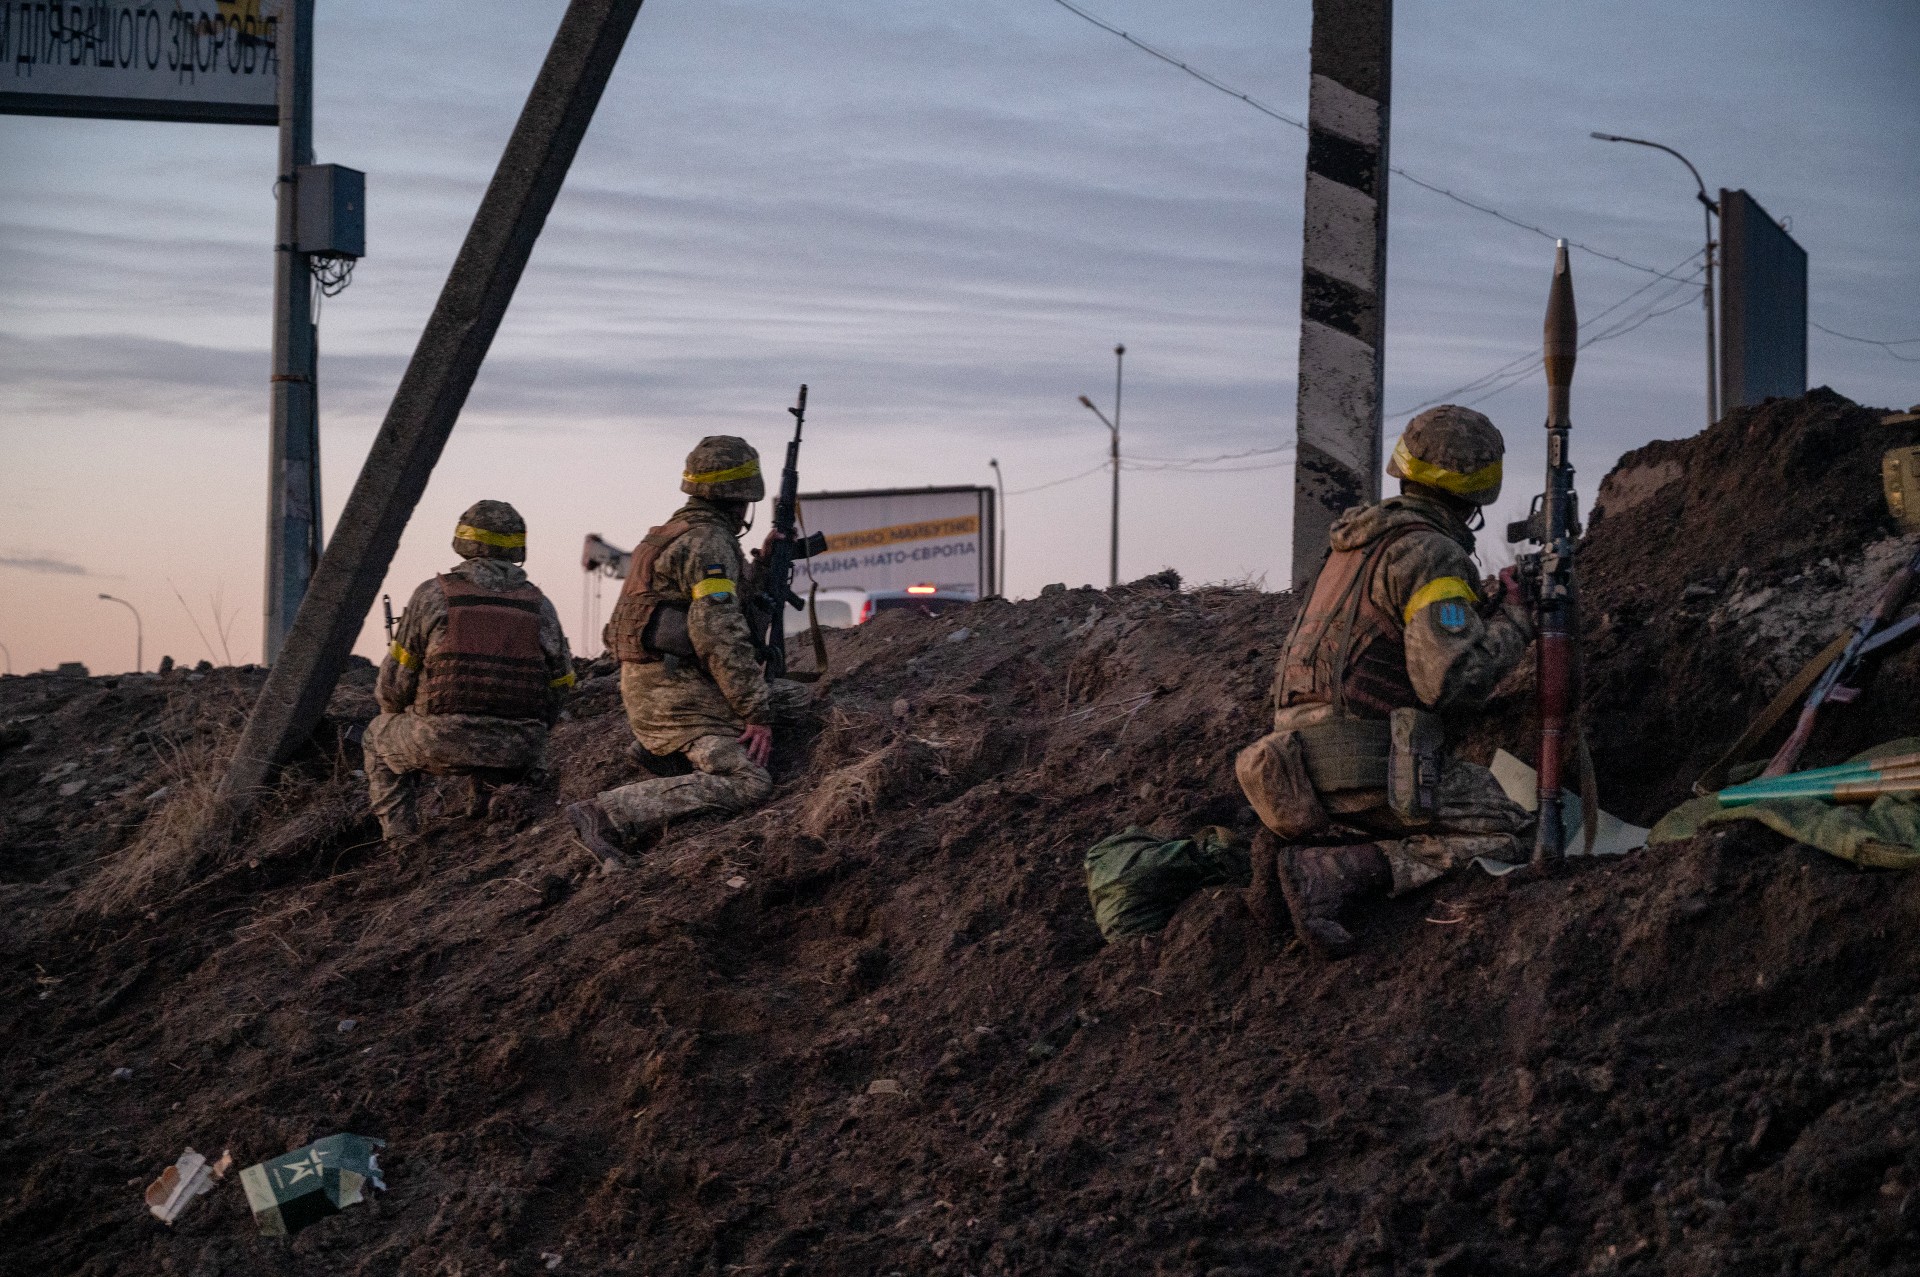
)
(922, 589)
(866, 612)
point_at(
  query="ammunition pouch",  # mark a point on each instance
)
(1346, 753)
(1273, 775)
(666, 632)
(1413, 764)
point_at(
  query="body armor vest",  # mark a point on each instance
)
(1345, 650)
(488, 659)
(626, 630)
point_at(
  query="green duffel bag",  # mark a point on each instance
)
(1136, 880)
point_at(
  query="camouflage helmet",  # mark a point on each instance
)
(491, 530)
(723, 468)
(1454, 449)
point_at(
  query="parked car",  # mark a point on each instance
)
(840, 607)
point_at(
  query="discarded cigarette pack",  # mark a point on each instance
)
(297, 1188)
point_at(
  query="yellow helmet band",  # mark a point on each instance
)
(505, 540)
(1461, 485)
(744, 471)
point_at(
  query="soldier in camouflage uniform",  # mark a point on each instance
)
(690, 675)
(1398, 620)
(474, 676)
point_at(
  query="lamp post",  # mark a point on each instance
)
(1706, 297)
(8, 655)
(1000, 565)
(139, 638)
(1113, 546)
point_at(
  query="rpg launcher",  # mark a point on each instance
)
(1553, 524)
(775, 561)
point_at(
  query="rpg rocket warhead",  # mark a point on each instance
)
(1562, 338)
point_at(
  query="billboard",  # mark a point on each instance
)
(1763, 306)
(210, 61)
(891, 538)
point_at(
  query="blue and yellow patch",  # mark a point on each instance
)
(1451, 616)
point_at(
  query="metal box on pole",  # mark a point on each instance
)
(332, 212)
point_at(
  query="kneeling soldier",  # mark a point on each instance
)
(475, 674)
(690, 674)
(1395, 642)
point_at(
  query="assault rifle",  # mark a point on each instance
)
(775, 561)
(386, 602)
(1546, 575)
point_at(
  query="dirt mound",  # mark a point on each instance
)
(1713, 569)
(871, 1028)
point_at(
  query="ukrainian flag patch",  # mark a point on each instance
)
(1452, 616)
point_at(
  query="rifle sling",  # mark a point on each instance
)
(1714, 778)
(819, 669)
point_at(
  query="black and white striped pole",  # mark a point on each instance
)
(1343, 286)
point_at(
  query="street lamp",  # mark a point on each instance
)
(139, 638)
(1113, 548)
(1113, 545)
(1000, 567)
(1706, 297)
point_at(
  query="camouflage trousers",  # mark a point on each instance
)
(1476, 818)
(724, 780)
(398, 747)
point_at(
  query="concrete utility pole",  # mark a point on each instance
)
(1343, 285)
(433, 389)
(293, 450)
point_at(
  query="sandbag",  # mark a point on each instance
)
(1273, 775)
(1136, 880)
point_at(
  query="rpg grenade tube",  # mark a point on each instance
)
(1559, 526)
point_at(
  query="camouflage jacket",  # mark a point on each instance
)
(705, 566)
(1455, 655)
(426, 616)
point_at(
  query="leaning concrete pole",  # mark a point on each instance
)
(1343, 286)
(434, 388)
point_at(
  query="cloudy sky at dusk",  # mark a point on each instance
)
(942, 217)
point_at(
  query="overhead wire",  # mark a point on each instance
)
(1887, 346)
(1216, 84)
(1515, 371)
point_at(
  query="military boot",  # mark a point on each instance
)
(596, 832)
(400, 823)
(1320, 882)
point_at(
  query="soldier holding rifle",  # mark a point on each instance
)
(691, 647)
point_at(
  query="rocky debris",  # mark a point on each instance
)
(1691, 1062)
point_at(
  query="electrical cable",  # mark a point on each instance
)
(1515, 371)
(1887, 346)
(1395, 169)
(1038, 487)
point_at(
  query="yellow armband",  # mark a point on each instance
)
(713, 585)
(402, 656)
(1439, 590)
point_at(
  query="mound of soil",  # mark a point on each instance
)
(871, 1028)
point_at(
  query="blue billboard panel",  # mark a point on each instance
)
(1763, 306)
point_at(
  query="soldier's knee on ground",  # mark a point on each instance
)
(726, 758)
